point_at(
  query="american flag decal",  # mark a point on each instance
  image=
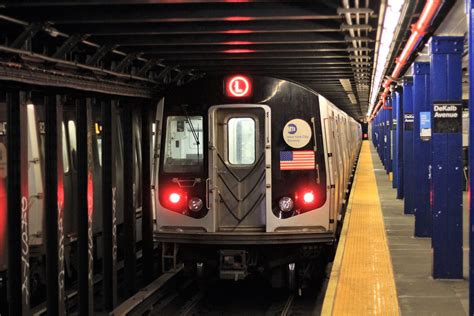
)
(297, 160)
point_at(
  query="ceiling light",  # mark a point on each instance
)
(390, 23)
(346, 84)
(352, 98)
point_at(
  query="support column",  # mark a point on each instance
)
(129, 219)
(147, 215)
(394, 140)
(408, 162)
(14, 275)
(422, 148)
(54, 199)
(399, 143)
(18, 205)
(383, 138)
(109, 217)
(388, 138)
(84, 205)
(446, 183)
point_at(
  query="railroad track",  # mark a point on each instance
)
(151, 298)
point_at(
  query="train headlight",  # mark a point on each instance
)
(285, 204)
(195, 204)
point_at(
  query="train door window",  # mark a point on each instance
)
(184, 145)
(64, 149)
(241, 140)
(98, 135)
(71, 126)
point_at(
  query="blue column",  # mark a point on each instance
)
(393, 137)
(388, 122)
(470, 36)
(381, 136)
(421, 149)
(383, 139)
(408, 162)
(388, 147)
(399, 143)
(446, 174)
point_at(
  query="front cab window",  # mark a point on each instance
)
(183, 146)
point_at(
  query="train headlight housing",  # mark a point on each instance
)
(285, 204)
(195, 204)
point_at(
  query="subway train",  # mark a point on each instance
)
(252, 175)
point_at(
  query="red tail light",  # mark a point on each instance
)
(174, 197)
(308, 197)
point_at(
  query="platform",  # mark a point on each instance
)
(362, 281)
(380, 268)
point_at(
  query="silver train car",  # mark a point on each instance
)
(251, 175)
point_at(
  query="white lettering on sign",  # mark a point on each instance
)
(25, 250)
(443, 115)
(114, 225)
(297, 133)
(61, 273)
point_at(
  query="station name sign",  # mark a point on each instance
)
(447, 117)
(408, 119)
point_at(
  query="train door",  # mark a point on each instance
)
(238, 168)
(339, 158)
(36, 133)
(332, 162)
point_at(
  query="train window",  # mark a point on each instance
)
(71, 126)
(241, 140)
(64, 149)
(183, 146)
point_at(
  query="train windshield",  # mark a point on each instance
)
(183, 146)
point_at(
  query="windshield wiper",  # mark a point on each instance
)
(193, 131)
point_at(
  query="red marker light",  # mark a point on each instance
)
(174, 198)
(308, 197)
(238, 86)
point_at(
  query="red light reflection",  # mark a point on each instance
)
(237, 43)
(238, 51)
(237, 32)
(90, 195)
(238, 18)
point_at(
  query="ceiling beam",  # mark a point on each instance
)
(223, 57)
(233, 12)
(75, 3)
(235, 49)
(205, 28)
(221, 39)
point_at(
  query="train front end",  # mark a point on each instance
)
(241, 173)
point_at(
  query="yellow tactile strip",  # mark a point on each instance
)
(362, 281)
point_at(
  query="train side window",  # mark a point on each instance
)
(241, 140)
(65, 155)
(184, 145)
(71, 126)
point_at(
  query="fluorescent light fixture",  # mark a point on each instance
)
(352, 98)
(390, 22)
(346, 84)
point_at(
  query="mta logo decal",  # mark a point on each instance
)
(292, 129)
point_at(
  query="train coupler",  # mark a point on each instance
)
(233, 264)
